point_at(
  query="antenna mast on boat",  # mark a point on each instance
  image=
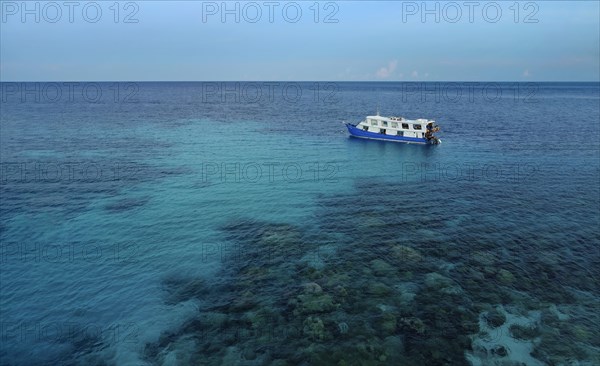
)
(378, 109)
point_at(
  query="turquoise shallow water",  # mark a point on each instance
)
(190, 228)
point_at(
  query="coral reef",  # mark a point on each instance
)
(370, 305)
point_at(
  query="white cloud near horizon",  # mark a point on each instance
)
(386, 72)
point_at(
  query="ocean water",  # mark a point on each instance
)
(238, 224)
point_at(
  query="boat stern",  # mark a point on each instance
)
(429, 135)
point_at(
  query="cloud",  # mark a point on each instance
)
(386, 72)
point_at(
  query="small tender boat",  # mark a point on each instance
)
(399, 129)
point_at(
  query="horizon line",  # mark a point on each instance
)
(300, 81)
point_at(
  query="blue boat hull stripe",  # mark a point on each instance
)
(357, 132)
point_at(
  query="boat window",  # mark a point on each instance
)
(384, 123)
(405, 126)
(366, 128)
(394, 124)
(417, 127)
(373, 122)
(382, 130)
(400, 133)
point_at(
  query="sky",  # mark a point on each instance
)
(300, 41)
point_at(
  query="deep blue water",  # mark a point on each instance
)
(210, 223)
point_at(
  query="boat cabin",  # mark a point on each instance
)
(399, 126)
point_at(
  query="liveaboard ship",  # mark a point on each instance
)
(397, 129)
